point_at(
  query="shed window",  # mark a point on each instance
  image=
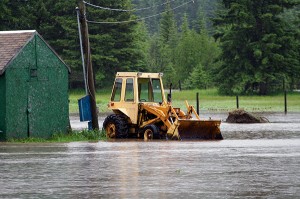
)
(33, 72)
(116, 94)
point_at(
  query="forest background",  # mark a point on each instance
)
(239, 47)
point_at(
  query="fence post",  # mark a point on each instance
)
(285, 102)
(197, 100)
(179, 85)
(170, 94)
(237, 102)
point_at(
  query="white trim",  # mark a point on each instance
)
(17, 31)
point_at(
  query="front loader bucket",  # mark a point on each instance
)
(200, 129)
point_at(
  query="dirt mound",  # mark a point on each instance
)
(241, 116)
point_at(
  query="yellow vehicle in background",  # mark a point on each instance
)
(141, 110)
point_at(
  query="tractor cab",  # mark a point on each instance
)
(150, 90)
(132, 88)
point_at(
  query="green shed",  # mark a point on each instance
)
(33, 87)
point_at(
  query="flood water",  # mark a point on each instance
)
(253, 161)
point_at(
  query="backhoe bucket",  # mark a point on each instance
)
(200, 129)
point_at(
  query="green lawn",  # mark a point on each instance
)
(73, 136)
(102, 98)
(210, 100)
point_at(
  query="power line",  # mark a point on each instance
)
(139, 19)
(124, 10)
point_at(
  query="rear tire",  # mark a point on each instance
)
(150, 132)
(116, 126)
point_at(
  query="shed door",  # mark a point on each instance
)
(17, 92)
(38, 106)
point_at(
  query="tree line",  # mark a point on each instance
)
(241, 47)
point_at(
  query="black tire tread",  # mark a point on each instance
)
(154, 129)
(120, 122)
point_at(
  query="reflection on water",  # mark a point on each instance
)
(254, 161)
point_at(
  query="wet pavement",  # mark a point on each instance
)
(253, 161)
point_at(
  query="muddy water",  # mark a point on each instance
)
(254, 161)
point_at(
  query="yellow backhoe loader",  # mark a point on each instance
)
(141, 110)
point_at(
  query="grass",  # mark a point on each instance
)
(209, 99)
(102, 99)
(74, 136)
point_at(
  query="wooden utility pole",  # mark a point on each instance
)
(88, 62)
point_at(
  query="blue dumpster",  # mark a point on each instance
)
(85, 109)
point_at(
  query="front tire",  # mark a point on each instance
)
(150, 131)
(116, 126)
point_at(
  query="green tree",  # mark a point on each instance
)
(154, 57)
(195, 51)
(292, 19)
(157, 6)
(198, 78)
(5, 14)
(167, 43)
(115, 46)
(61, 32)
(20, 14)
(257, 46)
(168, 27)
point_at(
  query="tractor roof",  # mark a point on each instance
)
(139, 74)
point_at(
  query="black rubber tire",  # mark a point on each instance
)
(116, 126)
(152, 132)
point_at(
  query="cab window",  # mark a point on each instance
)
(156, 90)
(129, 92)
(116, 94)
(149, 90)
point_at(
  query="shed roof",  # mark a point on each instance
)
(11, 43)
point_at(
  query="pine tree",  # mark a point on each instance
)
(198, 78)
(256, 45)
(292, 20)
(154, 56)
(114, 46)
(201, 21)
(186, 51)
(195, 49)
(185, 26)
(61, 32)
(167, 43)
(151, 8)
(168, 27)
(18, 15)
(5, 15)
